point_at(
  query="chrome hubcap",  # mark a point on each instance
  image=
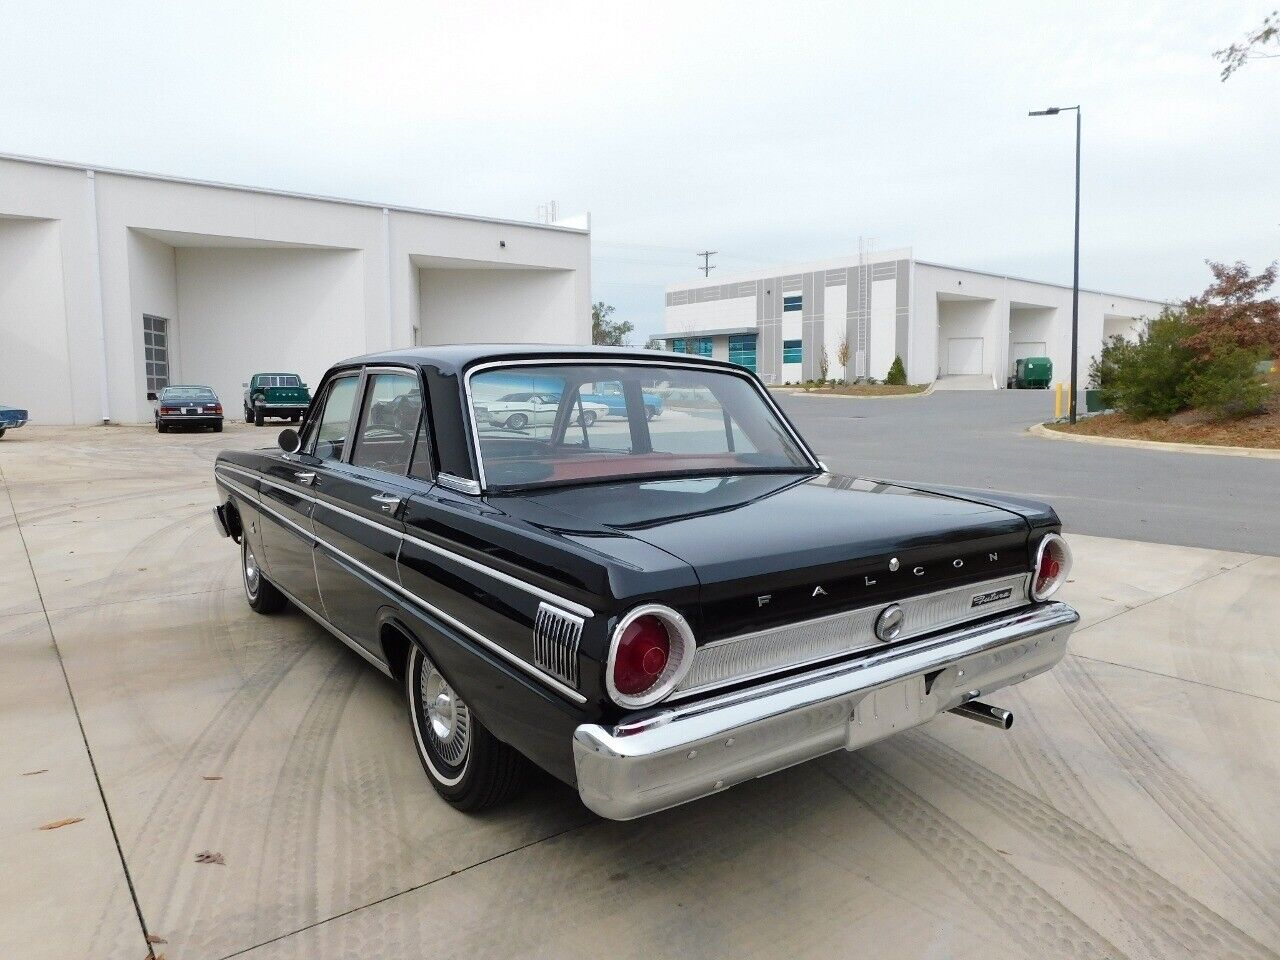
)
(448, 719)
(250, 572)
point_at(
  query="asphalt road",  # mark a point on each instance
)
(980, 440)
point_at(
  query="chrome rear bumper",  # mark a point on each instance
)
(671, 756)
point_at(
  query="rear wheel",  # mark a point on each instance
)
(464, 762)
(259, 417)
(517, 421)
(217, 427)
(2, 430)
(162, 427)
(588, 418)
(263, 597)
(649, 413)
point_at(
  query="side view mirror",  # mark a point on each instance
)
(151, 394)
(289, 440)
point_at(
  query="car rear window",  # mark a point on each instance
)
(187, 393)
(549, 425)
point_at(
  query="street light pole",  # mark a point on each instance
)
(1075, 272)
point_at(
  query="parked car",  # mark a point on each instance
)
(11, 418)
(516, 411)
(188, 406)
(280, 395)
(1031, 373)
(651, 618)
(617, 403)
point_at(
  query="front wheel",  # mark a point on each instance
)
(464, 762)
(517, 421)
(262, 595)
(650, 413)
(588, 418)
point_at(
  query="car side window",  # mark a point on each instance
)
(388, 422)
(334, 421)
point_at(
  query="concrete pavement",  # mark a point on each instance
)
(1129, 812)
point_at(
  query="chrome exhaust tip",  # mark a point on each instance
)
(985, 713)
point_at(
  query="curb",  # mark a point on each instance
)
(1257, 453)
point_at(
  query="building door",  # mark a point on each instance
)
(1026, 348)
(964, 356)
(155, 343)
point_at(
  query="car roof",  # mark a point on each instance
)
(186, 386)
(455, 357)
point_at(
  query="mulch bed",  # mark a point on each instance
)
(1191, 426)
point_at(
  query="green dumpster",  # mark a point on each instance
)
(1031, 373)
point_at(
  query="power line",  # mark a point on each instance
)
(707, 265)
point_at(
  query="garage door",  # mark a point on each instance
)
(1027, 348)
(964, 356)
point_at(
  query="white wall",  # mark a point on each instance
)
(711, 315)
(1031, 325)
(34, 373)
(884, 329)
(499, 306)
(114, 233)
(835, 303)
(245, 311)
(153, 289)
(971, 318)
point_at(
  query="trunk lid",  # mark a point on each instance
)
(773, 549)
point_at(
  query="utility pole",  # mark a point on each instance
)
(707, 265)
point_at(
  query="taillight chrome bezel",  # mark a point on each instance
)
(679, 659)
(1050, 541)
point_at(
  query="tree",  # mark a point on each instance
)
(897, 375)
(823, 363)
(653, 343)
(1253, 47)
(606, 332)
(1233, 310)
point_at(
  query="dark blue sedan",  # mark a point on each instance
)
(11, 418)
(617, 403)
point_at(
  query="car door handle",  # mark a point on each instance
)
(304, 476)
(387, 501)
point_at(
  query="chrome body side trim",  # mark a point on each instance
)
(620, 362)
(552, 598)
(434, 611)
(748, 656)
(576, 609)
(670, 756)
(334, 630)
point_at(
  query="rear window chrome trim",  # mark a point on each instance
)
(755, 383)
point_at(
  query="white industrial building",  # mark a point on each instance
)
(945, 322)
(235, 280)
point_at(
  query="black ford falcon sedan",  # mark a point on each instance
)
(651, 609)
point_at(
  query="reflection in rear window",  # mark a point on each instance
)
(578, 423)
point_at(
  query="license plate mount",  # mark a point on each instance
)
(889, 710)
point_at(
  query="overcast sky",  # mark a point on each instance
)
(772, 132)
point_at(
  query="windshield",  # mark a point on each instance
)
(538, 426)
(187, 393)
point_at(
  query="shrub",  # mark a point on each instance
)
(897, 375)
(1150, 378)
(1227, 385)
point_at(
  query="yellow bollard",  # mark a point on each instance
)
(1057, 401)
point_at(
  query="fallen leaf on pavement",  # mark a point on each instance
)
(155, 938)
(208, 856)
(61, 823)
(32, 773)
(210, 778)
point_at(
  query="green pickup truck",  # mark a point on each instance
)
(280, 395)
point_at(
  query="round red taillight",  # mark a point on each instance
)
(1053, 563)
(651, 651)
(643, 650)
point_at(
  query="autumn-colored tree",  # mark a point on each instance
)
(1233, 310)
(1262, 44)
